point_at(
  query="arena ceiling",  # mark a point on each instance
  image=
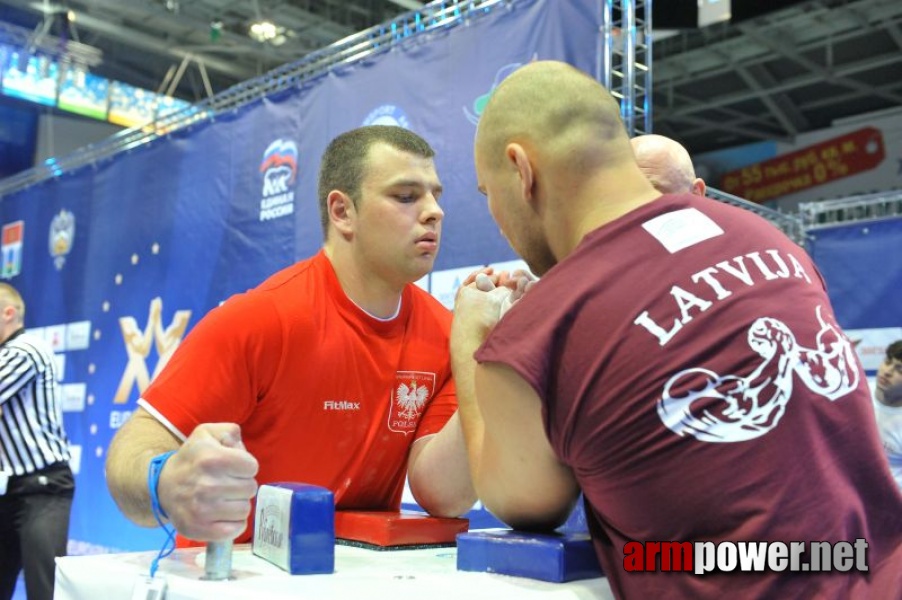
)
(771, 77)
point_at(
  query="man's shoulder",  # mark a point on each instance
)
(425, 303)
(30, 346)
(291, 282)
(297, 273)
(282, 300)
(27, 338)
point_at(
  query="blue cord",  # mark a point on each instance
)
(153, 481)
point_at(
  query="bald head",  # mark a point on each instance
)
(557, 111)
(554, 161)
(667, 165)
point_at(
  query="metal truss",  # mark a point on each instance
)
(626, 60)
(434, 17)
(791, 225)
(852, 209)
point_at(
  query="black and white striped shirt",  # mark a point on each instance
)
(31, 423)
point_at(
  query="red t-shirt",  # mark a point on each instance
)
(694, 379)
(325, 394)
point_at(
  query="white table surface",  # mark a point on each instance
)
(359, 573)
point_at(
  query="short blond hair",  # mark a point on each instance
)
(557, 110)
(10, 296)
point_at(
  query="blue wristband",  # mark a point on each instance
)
(153, 482)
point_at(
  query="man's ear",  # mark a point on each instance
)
(698, 187)
(342, 212)
(518, 158)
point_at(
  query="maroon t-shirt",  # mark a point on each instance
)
(695, 380)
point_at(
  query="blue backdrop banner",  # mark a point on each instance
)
(862, 265)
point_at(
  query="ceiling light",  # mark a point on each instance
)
(264, 31)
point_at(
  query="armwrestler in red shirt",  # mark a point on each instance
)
(333, 372)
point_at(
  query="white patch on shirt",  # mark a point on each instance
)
(682, 228)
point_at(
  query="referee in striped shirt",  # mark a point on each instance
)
(36, 484)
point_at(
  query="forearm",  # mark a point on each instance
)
(439, 476)
(521, 479)
(128, 458)
(526, 494)
(463, 346)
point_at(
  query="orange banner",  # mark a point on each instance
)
(821, 163)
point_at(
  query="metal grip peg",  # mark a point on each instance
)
(218, 563)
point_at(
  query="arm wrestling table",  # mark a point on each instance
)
(359, 573)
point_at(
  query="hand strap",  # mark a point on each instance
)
(153, 482)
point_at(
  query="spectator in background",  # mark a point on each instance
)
(667, 165)
(36, 483)
(888, 407)
(333, 372)
(678, 362)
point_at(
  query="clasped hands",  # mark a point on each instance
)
(485, 296)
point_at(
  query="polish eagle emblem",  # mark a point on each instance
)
(410, 399)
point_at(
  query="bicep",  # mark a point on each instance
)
(519, 478)
(438, 411)
(142, 432)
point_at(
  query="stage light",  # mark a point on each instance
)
(263, 31)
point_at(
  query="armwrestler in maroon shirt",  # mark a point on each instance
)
(679, 362)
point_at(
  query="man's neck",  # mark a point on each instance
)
(602, 205)
(8, 331)
(369, 292)
(893, 400)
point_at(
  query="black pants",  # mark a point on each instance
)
(34, 529)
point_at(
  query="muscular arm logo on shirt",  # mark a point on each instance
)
(831, 370)
(745, 408)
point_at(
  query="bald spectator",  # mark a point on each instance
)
(667, 165)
